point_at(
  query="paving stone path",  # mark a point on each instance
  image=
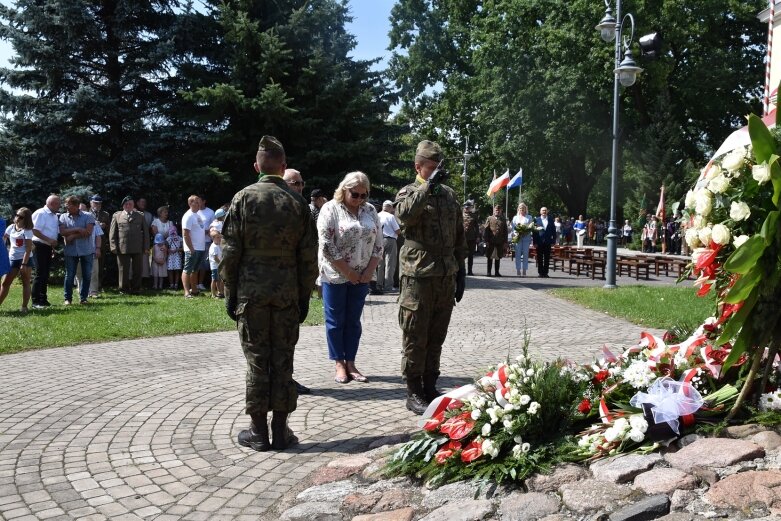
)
(146, 429)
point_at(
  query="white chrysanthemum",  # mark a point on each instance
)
(718, 185)
(733, 161)
(703, 202)
(720, 234)
(705, 235)
(691, 199)
(739, 240)
(739, 211)
(770, 401)
(760, 173)
(638, 423)
(692, 237)
(636, 436)
(639, 375)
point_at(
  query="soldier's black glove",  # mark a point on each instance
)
(438, 177)
(231, 301)
(303, 309)
(460, 284)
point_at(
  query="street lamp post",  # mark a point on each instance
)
(625, 73)
(467, 156)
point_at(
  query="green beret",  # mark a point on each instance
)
(270, 144)
(429, 150)
(127, 199)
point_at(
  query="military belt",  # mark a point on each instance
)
(270, 252)
(436, 250)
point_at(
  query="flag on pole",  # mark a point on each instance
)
(499, 182)
(517, 180)
(660, 208)
(489, 193)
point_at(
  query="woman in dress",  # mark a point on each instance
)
(350, 248)
(524, 241)
(20, 236)
(161, 224)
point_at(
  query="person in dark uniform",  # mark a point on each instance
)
(471, 233)
(432, 272)
(269, 266)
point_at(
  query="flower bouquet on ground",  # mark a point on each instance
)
(502, 427)
(521, 230)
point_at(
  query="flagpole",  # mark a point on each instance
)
(493, 196)
(506, 200)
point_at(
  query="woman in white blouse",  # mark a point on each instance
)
(350, 249)
(522, 246)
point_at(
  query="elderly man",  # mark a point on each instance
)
(46, 229)
(129, 239)
(76, 230)
(294, 180)
(432, 272)
(269, 266)
(390, 232)
(103, 220)
(544, 238)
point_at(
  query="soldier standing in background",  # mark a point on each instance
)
(102, 219)
(432, 272)
(471, 233)
(269, 266)
(495, 239)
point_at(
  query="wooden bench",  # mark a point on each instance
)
(592, 266)
(628, 263)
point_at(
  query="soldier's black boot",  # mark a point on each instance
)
(496, 268)
(470, 261)
(281, 435)
(430, 391)
(256, 437)
(416, 401)
(489, 267)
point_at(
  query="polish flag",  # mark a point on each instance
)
(499, 183)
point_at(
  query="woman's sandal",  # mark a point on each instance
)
(342, 379)
(358, 377)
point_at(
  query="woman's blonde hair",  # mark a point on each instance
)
(523, 205)
(352, 180)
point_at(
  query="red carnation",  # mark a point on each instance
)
(601, 376)
(585, 406)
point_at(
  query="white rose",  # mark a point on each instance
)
(636, 436)
(486, 430)
(690, 199)
(739, 211)
(760, 173)
(719, 184)
(704, 201)
(611, 434)
(713, 171)
(699, 221)
(721, 234)
(734, 160)
(739, 240)
(705, 235)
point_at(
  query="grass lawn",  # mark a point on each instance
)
(114, 317)
(662, 307)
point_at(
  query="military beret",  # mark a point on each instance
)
(316, 193)
(429, 150)
(270, 144)
(96, 198)
(127, 199)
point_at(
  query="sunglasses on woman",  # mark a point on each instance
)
(356, 195)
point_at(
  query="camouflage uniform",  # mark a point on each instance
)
(495, 241)
(269, 262)
(471, 233)
(433, 251)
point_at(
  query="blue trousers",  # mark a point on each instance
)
(522, 253)
(71, 261)
(342, 307)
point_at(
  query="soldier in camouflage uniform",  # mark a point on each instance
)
(495, 239)
(432, 272)
(471, 233)
(269, 266)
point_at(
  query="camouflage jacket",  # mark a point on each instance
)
(471, 228)
(433, 230)
(269, 246)
(498, 230)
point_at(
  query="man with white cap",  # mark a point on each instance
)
(390, 231)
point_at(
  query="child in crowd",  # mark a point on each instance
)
(159, 261)
(174, 257)
(215, 256)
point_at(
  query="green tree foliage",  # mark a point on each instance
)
(531, 82)
(82, 103)
(282, 68)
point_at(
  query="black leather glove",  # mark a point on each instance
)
(303, 309)
(231, 301)
(460, 284)
(437, 178)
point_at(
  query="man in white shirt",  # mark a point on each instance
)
(194, 242)
(390, 231)
(207, 216)
(46, 228)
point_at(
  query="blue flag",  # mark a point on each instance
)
(517, 180)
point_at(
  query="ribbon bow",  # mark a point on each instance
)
(670, 400)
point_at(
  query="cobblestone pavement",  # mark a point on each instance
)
(146, 429)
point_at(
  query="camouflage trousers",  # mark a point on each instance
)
(268, 338)
(425, 306)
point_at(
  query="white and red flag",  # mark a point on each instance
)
(499, 182)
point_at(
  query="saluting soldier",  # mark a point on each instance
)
(269, 266)
(432, 272)
(495, 239)
(471, 233)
